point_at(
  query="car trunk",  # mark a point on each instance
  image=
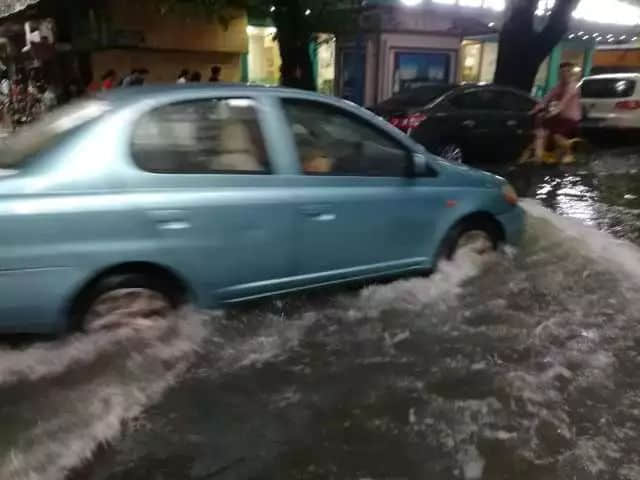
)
(407, 109)
(605, 98)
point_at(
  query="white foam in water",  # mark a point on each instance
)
(621, 255)
(60, 420)
(420, 292)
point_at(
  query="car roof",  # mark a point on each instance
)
(613, 76)
(125, 95)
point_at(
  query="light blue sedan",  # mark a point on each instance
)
(210, 195)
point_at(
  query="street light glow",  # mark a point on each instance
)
(307, 11)
(614, 12)
(272, 8)
(411, 3)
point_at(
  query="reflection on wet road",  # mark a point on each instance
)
(518, 365)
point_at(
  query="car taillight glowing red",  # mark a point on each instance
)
(628, 105)
(415, 120)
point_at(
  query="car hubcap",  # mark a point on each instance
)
(475, 241)
(453, 153)
(123, 306)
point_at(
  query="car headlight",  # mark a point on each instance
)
(510, 195)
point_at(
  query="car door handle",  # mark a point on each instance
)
(469, 123)
(170, 219)
(320, 213)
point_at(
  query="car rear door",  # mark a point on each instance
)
(210, 192)
(358, 213)
(476, 120)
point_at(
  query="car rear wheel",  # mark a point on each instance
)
(118, 300)
(452, 152)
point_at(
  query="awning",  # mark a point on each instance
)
(9, 7)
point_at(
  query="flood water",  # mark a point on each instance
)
(522, 364)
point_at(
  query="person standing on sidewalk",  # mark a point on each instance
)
(183, 77)
(215, 74)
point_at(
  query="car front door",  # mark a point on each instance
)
(209, 191)
(358, 212)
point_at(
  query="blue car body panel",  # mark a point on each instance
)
(82, 206)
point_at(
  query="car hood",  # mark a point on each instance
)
(459, 175)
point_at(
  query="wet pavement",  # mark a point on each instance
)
(521, 364)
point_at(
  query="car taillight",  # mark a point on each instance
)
(628, 105)
(415, 119)
(407, 123)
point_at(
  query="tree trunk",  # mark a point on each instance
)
(294, 36)
(522, 48)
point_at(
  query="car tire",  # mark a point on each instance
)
(452, 152)
(484, 233)
(112, 300)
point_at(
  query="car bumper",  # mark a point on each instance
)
(611, 122)
(513, 224)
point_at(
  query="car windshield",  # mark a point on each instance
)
(414, 98)
(608, 87)
(19, 147)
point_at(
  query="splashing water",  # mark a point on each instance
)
(61, 400)
(517, 365)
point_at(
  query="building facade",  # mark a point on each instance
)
(94, 36)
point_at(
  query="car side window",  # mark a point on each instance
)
(330, 141)
(476, 100)
(201, 136)
(512, 102)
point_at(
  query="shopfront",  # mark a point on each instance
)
(401, 49)
(478, 57)
(263, 60)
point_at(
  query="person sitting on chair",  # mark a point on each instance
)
(562, 117)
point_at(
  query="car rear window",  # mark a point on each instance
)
(608, 88)
(413, 98)
(19, 147)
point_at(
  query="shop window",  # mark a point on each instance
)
(489, 61)
(471, 57)
(415, 69)
(264, 56)
(326, 62)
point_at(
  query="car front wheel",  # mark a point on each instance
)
(478, 236)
